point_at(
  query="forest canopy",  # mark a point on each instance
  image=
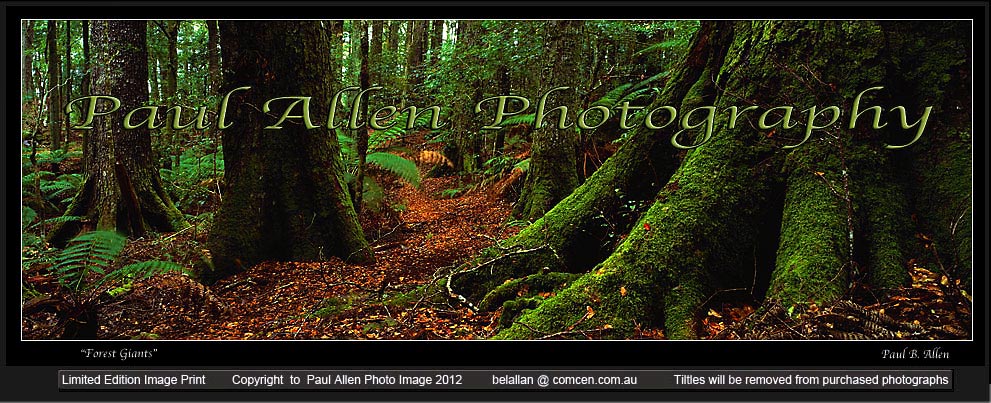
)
(507, 179)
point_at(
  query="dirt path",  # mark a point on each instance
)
(332, 300)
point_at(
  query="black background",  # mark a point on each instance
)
(514, 354)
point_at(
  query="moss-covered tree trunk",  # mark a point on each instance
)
(839, 196)
(123, 190)
(286, 197)
(553, 170)
(583, 229)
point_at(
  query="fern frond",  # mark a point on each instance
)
(519, 119)
(33, 176)
(90, 252)
(612, 97)
(402, 167)
(523, 165)
(60, 220)
(141, 271)
(27, 216)
(668, 44)
(380, 137)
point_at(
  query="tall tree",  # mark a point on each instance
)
(122, 190)
(54, 87)
(286, 197)
(361, 134)
(415, 50)
(335, 33)
(721, 201)
(436, 38)
(553, 169)
(27, 62)
(170, 88)
(213, 52)
(84, 89)
(85, 86)
(67, 75)
(392, 38)
(465, 149)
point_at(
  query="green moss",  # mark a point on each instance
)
(815, 246)
(528, 286)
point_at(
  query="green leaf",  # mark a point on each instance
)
(86, 253)
(401, 167)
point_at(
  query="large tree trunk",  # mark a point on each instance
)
(54, 87)
(582, 229)
(286, 197)
(123, 190)
(553, 170)
(838, 197)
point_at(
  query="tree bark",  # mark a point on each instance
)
(553, 169)
(286, 197)
(582, 229)
(54, 87)
(67, 93)
(213, 50)
(27, 63)
(839, 198)
(361, 134)
(84, 89)
(415, 50)
(436, 38)
(123, 190)
(170, 89)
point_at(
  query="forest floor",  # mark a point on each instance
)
(422, 235)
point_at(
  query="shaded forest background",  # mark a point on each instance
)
(522, 232)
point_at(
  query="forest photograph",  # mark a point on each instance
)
(496, 180)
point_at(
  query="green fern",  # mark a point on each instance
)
(673, 43)
(519, 119)
(91, 252)
(523, 165)
(60, 220)
(141, 271)
(380, 137)
(613, 96)
(401, 167)
(28, 215)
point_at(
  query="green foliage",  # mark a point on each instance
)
(383, 154)
(56, 190)
(192, 183)
(401, 167)
(528, 118)
(450, 193)
(93, 254)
